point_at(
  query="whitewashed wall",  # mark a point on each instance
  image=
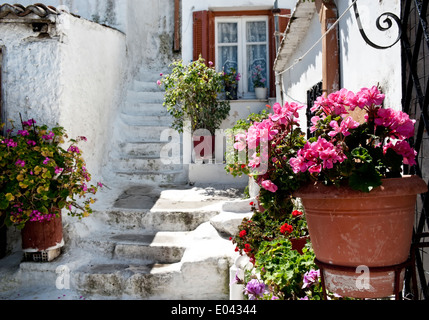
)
(360, 64)
(31, 68)
(93, 64)
(72, 78)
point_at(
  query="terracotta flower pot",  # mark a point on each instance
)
(42, 241)
(350, 228)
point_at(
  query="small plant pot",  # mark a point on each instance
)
(42, 241)
(261, 93)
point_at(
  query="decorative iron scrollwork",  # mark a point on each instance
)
(387, 25)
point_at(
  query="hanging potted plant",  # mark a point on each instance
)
(231, 78)
(259, 83)
(191, 94)
(39, 180)
(359, 207)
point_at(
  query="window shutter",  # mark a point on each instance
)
(283, 23)
(204, 36)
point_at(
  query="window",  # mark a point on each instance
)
(242, 44)
(248, 46)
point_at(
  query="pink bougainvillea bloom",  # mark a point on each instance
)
(46, 161)
(31, 143)
(269, 186)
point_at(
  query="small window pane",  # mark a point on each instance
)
(256, 56)
(228, 32)
(256, 31)
(228, 57)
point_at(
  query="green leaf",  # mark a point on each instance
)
(361, 154)
(365, 178)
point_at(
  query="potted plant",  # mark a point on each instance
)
(358, 200)
(231, 78)
(191, 94)
(40, 178)
(344, 168)
(259, 82)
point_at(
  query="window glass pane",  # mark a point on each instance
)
(228, 57)
(256, 31)
(256, 59)
(228, 32)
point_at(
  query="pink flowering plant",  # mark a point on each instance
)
(40, 175)
(344, 151)
(259, 81)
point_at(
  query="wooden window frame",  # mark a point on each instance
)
(204, 34)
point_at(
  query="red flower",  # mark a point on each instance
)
(252, 203)
(286, 228)
(243, 166)
(247, 248)
(296, 213)
(243, 233)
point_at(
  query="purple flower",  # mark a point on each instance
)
(46, 161)
(20, 163)
(58, 170)
(31, 143)
(255, 289)
(23, 133)
(50, 136)
(310, 278)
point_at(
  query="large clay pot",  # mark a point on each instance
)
(352, 229)
(42, 241)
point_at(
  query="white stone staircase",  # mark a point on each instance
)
(170, 246)
(142, 131)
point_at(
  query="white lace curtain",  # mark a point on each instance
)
(255, 46)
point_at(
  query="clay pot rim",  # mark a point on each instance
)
(406, 185)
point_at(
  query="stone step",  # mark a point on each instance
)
(154, 281)
(146, 86)
(140, 133)
(150, 75)
(150, 109)
(144, 163)
(150, 221)
(147, 119)
(153, 177)
(142, 149)
(137, 247)
(145, 97)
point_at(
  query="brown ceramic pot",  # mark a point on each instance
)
(352, 229)
(41, 236)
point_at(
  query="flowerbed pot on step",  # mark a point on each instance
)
(349, 228)
(42, 241)
(261, 93)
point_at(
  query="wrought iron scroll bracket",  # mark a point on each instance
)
(387, 22)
